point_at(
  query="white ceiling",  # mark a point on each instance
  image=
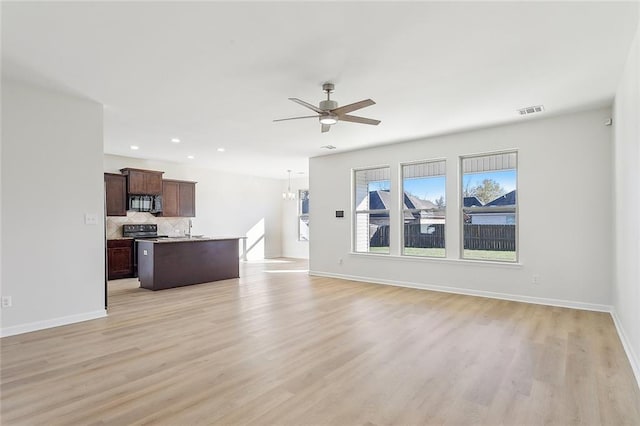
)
(217, 74)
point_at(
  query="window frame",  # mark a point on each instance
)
(461, 209)
(355, 210)
(403, 210)
(301, 214)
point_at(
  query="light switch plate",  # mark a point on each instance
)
(90, 219)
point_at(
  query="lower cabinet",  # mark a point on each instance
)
(120, 259)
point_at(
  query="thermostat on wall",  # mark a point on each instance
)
(339, 213)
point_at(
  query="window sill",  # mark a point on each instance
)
(444, 260)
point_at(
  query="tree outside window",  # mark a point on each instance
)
(489, 207)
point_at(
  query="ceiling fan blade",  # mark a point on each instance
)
(352, 107)
(361, 120)
(306, 104)
(297, 118)
(325, 128)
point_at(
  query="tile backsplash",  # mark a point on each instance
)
(171, 226)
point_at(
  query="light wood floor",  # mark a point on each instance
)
(280, 347)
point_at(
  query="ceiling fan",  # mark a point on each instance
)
(329, 113)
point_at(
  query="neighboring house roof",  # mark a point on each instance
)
(413, 202)
(381, 200)
(472, 202)
(508, 199)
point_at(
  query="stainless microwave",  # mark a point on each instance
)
(145, 203)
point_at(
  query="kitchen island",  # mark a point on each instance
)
(175, 262)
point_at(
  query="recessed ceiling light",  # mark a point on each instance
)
(134, 147)
(220, 149)
(175, 140)
(190, 157)
(328, 147)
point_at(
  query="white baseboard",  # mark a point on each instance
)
(492, 295)
(55, 322)
(633, 358)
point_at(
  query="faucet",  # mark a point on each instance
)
(190, 225)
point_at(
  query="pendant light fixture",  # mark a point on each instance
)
(289, 195)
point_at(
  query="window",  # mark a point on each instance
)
(372, 199)
(303, 215)
(423, 208)
(489, 207)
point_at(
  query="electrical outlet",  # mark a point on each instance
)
(144, 252)
(535, 279)
(90, 219)
(6, 301)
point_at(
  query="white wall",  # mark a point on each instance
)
(226, 204)
(291, 246)
(52, 263)
(626, 289)
(565, 215)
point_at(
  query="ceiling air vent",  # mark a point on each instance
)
(531, 110)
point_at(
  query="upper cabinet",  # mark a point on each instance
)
(143, 182)
(178, 198)
(187, 198)
(115, 187)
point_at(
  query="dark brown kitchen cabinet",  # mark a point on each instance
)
(178, 198)
(173, 263)
(187, 199)
(170, 203)
(115, 187)
(143, 182)
(120, 258)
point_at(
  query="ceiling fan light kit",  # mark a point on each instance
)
(328, 119)
(330, 113)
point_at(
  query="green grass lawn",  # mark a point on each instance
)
(431, 252)
(504, 256)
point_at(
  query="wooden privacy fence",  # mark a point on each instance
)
(490, 237)
(380, 238)
(476, 237)
(416, 235)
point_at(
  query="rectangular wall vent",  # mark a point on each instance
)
(531, 110)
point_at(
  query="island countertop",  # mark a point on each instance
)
(191, 239)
